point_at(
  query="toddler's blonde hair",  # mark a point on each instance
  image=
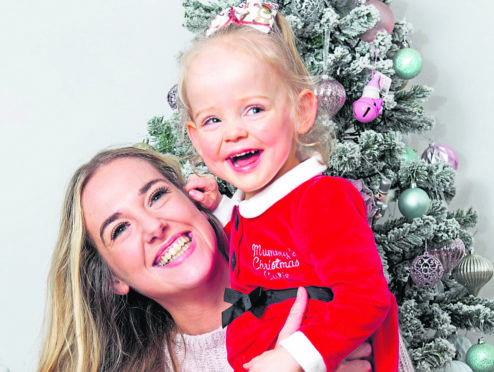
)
(276, 48)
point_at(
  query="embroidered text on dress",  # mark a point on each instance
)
(273, 268)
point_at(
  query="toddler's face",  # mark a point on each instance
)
(242, 118)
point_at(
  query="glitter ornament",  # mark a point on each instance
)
(172, 97)
(440, 153)
(454, 366)
(414, 202)
(330, 95)
(480, 357)
(473, 272)
(386, 21)
(449, 255)
(426, 270)
(407, 63)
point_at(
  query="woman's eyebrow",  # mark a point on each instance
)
(144, 189)
(108, 221)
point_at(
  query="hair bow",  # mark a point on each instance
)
(254, 14)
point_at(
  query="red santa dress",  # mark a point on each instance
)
(306, 229)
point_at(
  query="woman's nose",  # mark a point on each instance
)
(235, 131)
(154, 228)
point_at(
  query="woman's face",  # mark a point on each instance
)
(151, 235)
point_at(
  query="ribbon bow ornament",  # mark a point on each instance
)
(258, 15)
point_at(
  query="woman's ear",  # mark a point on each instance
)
(119, 287)
(193, 135)
(306, 110)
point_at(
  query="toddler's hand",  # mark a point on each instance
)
(277, 359)
(204, 189)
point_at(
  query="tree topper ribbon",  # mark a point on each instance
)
(254, 14)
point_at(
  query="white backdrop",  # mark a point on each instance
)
(76, 77)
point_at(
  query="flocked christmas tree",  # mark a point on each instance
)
(363, 62)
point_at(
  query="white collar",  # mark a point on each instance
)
(280, 188)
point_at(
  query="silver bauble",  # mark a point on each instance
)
(449, 255)
(172, 97)
(331, 95)
(473, 272)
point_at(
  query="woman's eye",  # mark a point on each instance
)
(211, 120)
(254, 110)
(119, 229)
(158, 194)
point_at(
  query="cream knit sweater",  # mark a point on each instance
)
(207, 352)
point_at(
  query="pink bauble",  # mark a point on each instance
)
(366, 109)
(441, 153)
(385, 23)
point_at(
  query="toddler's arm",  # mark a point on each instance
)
(332, 227)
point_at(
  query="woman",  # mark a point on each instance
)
(136, 264)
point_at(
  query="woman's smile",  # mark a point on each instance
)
(178, 248)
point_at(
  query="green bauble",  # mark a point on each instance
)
(480, 357)
(414, 203)
(409, 155)
(407, 63)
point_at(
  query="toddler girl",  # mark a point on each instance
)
(251, 116)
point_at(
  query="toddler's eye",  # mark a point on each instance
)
(254, 110)
(119, 229)
(155, 196)
(211, 120)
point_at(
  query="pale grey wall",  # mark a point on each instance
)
(456, 39)
(76, 77)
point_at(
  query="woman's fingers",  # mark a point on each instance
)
(360, 365)
(363, 351)
(296, 315)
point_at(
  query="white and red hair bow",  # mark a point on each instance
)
(255, 14)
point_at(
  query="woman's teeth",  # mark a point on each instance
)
(177, 248)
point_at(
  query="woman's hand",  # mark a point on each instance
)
(357, 361)
(279, 359)
(204, 189)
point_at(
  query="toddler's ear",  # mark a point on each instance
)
(193, 135)
(119, 287)
(306, 110)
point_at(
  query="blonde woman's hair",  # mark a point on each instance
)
(90, 328)
(277, 49)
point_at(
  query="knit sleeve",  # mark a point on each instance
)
(405, 364)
